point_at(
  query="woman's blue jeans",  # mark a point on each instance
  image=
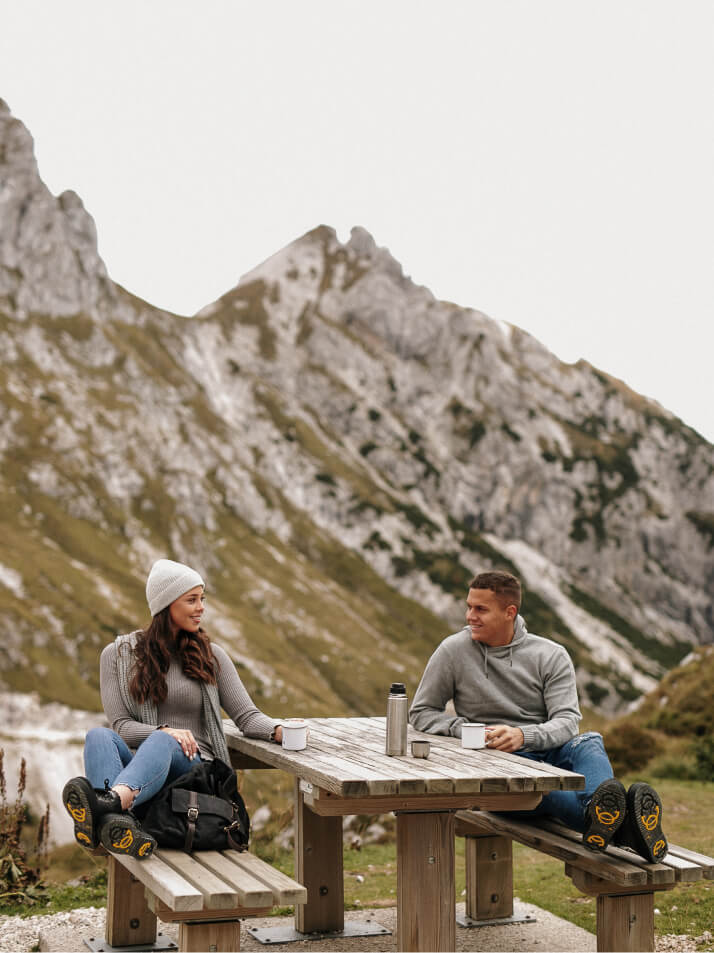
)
(585, 754)
(158, 760)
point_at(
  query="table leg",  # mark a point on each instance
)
(425, 881)
(318, 866)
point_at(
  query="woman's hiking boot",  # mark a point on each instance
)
(605, 814)
(642, 831)
(86, 806)
(121, 834)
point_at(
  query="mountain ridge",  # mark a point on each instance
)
(337, 451)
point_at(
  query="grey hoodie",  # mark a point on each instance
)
(529, 683)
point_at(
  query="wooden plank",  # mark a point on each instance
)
(216, 892)
(251, 892)
(437, 780)
(656, 873)
(285, 889)
(332, 806)
(129, 920)
(346, 756)
(706, 863)
(176, 916)
(549, 777)
(425, 882)
(594, 886)
(169, 886)
(566, 780)
(379, 778)
(557, 846)
(489, 877)
(197, 937)
(625, 923)
(476, 772)
(684, 870)
(307, 764)
(318, 865)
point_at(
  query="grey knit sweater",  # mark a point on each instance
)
(183, 705)
(529, 684)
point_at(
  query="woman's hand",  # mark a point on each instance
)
(185, 738)
(278, 736)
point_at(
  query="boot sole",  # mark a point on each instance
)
(606, 813)
(121, 834)
(76, 802)
(645, 808)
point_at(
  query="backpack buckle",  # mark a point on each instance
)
(193, 814)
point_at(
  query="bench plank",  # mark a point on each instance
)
(706, 863)
(164, 882)
(284, 888)
(549, 843)
(684, 870)
(216, 892)
(656, 873)
(251, 892)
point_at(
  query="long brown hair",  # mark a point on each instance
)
(152, 657)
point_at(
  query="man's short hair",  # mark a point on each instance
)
(505, 586)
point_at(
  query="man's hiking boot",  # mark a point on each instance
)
(86, 806)
(121, 834)
(642, 831)
(605, 814)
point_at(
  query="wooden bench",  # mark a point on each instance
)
(206, 892)
(623, 882)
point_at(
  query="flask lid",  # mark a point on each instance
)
(397, 688)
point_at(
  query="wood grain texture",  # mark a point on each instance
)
(425, 882)
(217, 894)
(126, 905)
(251, 892)
(223, 936)
(625, 923)
(615, 869)
(489, 877)
(330, 805)
(285, 890)
(318, 865)
(164, 882)
(346, 756)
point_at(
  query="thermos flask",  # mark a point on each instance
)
(397, 720)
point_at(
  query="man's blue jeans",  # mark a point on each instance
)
(585, 754)
(158, 760)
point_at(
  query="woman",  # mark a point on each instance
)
(162, 690)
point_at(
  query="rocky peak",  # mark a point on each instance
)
(49, 262)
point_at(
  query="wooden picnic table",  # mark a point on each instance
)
(344, 770)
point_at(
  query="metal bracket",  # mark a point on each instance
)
(272, 935)
(162, 944)
(463, 920)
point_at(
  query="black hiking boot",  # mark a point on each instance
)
(642, 831)
(121, 834)
(605, 814)
(86, 806)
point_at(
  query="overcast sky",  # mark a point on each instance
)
(549, 163)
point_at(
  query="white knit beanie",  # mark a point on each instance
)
(167, 581)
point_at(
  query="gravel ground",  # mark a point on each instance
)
(67, 932)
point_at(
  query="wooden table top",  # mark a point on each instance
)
(346, 757)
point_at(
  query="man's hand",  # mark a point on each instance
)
(504, 738)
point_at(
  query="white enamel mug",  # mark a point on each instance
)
(294, 734)
(473, 735)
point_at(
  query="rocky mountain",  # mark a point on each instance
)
(337, 452)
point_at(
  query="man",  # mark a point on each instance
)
(523, 687)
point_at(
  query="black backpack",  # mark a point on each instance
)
(201, 810)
